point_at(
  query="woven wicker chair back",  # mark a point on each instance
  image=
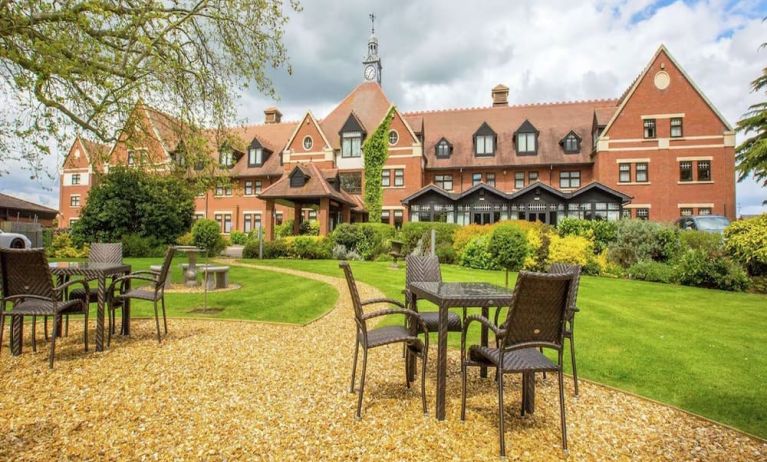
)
(106, 253)
(564, 268)
(539, 308)
(422, 269)
(165, 270)
(356, 301)
(26, 272)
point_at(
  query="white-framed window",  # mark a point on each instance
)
(398, 218)
(704, 170)
(532, 177)
(255, 157)
(444, 181)
(476, 178)
(685, 211)
(490, 179)
(74, 200)
(351, 144)
(224, 222)
(75, 178)
(519, 180)
(676, 127)
(624, 173)
(649, 128)
(569, 180)
(571, 143)
(247, 222)
(399, 177)
(226, 158)
(642, 175)
(685, 170)
(526, 143)
(248, 187)
(643, 214)
(704, 211)
(393, 137)
(223, 189)
(484, 145)
(385, 216)
(258, 186)
(386, 178)
(308, 143)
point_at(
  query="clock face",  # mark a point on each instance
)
(370, 72)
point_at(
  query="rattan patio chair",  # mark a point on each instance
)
(99, 253)
(28, 287)
(426, 269)
(373, 338)
(535, 319)
(563, 268)
(153, 292)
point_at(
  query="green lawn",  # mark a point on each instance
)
(264, 296)
(702, 350)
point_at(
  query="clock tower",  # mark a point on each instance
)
(372, 63)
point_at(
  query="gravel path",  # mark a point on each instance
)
(242, 390)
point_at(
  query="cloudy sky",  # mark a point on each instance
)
(440, 54)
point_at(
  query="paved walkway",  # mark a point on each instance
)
(241, 390)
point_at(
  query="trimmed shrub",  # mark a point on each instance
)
(477, 255)
(308, 247)
(238, 238)
(412, 232)
(575, 250)
(746, 241)
(638, 240)
(368, 240)
(508, 246)
(185, 239)
(62, 246)
(138, 246)
(446, 254)
(251, 249)
(274, 249)
(601, 232)
(697, 268)
(283, 230)
(206, 235)
(309, 228)
(652, 271)
(700, 240)
(466, 233)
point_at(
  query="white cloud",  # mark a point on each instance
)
(439, 54)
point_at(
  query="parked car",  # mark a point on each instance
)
(14, 241)
(707, 223)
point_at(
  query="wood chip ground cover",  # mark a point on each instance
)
(218, 390)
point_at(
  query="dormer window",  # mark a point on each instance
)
(444, 148)
(255, 157)
(351, 144)
(484, 141)
(526, 139)
(352, 134)
(226, 157)
(571, 143)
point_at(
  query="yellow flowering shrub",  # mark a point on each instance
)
(576, 250)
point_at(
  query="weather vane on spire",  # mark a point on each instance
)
(372, 62)
(372, 23)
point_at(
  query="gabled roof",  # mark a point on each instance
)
(537, 184)
(527, 127)
(485, 129)
(298, 126)
(316, 186)
(272, 138)
(483, 187)
(627, 96)
(353, 124)
(368, 103)
(427, 189)
(553, 121)
(602, 188)
(95, 152)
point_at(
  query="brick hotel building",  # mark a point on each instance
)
(659, 151)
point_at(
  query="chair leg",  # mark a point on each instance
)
(562, 409)
(575, 369)
(463, 390)
(110, 331)
(34, 336)
(2, 327)
(164, 318)
(157, 322)
(423, 381)
(66, 325)
(85, 327)
(501, 436)
(56, 319)
(362, 382)
(544, 372)
(407, 367)
(45, 327)
(524, 397)
(354, 365)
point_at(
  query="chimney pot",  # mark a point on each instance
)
(500, 95)
(272, 115)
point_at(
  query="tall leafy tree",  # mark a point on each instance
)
(83, 64)
(751, 154)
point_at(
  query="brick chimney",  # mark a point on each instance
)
(272, 115)
(500, 95)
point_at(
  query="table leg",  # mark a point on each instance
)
(17, 329)
(100, 313)
(409, 357)
(483, 339)
(528, 382)
(125, 325)
(442, 363)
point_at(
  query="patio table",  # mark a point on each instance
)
(100, 272)
(482, 295)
